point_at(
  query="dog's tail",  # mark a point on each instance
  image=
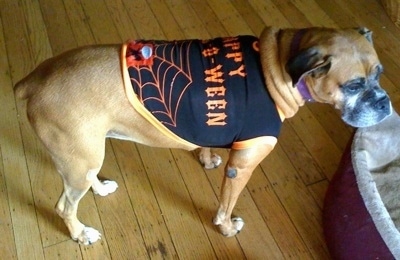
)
(23, 89)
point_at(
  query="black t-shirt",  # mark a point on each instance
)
(211, 93)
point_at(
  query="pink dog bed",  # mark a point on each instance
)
(362, 205)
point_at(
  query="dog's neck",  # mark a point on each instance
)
(275, 50)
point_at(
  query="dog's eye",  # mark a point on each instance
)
(354, 88)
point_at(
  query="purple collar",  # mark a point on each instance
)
(301, 84)
(304, 91)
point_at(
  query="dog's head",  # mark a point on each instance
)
(341, 67)
(335, 66)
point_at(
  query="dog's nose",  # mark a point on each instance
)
(382, 103)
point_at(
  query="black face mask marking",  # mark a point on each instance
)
(365, 102)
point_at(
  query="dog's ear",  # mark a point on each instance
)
(308, 62)
(366, 33)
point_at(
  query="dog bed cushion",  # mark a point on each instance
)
(362, 204)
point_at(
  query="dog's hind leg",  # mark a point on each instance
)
(78, 176)
(208, 159)
(78, 155)
(79, 173)
(103, 188)
(67, 208)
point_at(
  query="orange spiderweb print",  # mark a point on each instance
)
(162, 85)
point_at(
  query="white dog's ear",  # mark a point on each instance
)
(308, 62)
(366, 33)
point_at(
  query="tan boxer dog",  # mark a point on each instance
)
(77, 99)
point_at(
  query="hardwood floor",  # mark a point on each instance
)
(166, 201)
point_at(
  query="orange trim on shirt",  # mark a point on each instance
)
(241, 145)
(140, 108)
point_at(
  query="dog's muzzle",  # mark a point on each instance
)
(383, 104)
(369, 109)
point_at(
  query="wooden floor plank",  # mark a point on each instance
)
(299, 204)
(330, 119)
(175, 204)
(230, 18)
(21, 202)
(122, 19)
(143, 20)
(315, 139)
(100, 22)
(7, 239)
(67, 250)
(290, 11)
(318, 17)
(304, 162)
(269, 13)
(170, 28)
(56, 21)
(275, 215)
(39, 40)
(249, 15)
(79, 23)
(208, 20)
(188, 19)
(155, 233)
(318, 191)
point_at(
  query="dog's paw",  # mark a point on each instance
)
(88, 236)
(238, 224)
(210, 163)
(231, 228)
(105, 187)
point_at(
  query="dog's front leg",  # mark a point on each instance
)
(238, 171)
